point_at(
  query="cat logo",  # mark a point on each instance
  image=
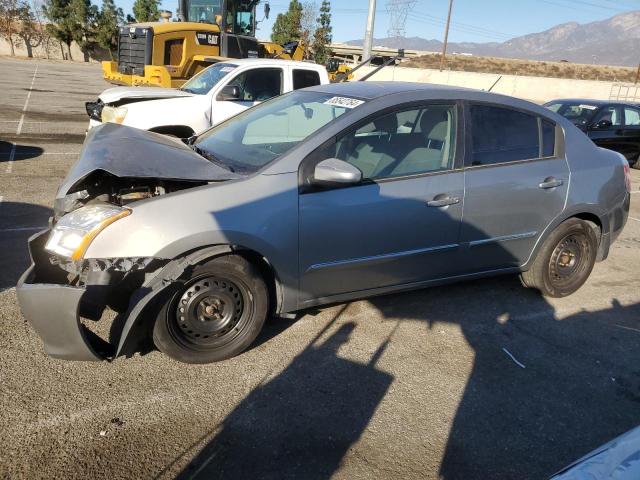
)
(207, 38)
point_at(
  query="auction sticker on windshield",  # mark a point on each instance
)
(345, 102)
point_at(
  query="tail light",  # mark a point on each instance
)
(627, 177)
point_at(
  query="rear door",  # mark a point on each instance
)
(402, 223)
(516, 180)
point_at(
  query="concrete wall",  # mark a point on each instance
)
(53, 50)
(535, 89)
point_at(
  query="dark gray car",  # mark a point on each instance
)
(322, 195)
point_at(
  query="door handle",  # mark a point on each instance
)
(443, 202)
(550, 182)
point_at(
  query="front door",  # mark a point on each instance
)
(256, 85)
(606, 128)
(401, 225)
(516, 183)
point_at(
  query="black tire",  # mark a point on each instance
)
(215, 314)
(636, 164)
(565, 260)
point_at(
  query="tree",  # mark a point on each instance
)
(322, 37)
(109, 20)
(308, 25)
(287, 27)
(146, 10)
(62, 25)
(29, 32)
(84, 17)
(9, 21)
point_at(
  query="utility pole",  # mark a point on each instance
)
(368, 33)
(446, 36)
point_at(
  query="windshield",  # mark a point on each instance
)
(204, 81)
(251, 140)
(205, 11)
(578, 113)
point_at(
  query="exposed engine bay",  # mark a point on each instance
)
(103, 187)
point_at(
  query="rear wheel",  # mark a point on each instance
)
(565, 260)
(216, 314)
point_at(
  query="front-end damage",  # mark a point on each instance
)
(63, 300)
(62, 294)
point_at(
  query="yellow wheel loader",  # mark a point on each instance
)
(167, 54)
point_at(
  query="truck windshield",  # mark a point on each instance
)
(207, 78)
(249, 141)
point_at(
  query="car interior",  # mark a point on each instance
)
(401, 143)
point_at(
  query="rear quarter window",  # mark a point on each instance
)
(305, 78)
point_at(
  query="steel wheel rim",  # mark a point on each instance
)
(569, 260)
(209, 311)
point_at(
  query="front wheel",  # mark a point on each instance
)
(565, 260)
(216, 314)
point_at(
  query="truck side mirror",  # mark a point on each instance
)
(267, 9)
(229, 93)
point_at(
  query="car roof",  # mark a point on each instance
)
(272, 61)
(371, 90)
(591, 101)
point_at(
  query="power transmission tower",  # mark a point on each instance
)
(398, 11)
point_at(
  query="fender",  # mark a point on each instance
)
(574, 211)
(151, 288)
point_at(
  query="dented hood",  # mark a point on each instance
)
(117, 94)
(129, 152)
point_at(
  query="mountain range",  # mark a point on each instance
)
(615, 41)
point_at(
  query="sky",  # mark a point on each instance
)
(472, 20)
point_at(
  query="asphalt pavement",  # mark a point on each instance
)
(482, 379)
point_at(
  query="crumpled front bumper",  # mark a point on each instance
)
(53, 312)
(53, 309)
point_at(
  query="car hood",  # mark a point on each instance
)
(128, 152)
(117, 94)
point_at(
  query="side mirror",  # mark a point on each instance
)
(267, 9)
(333, 171)
(602, 124)
(229, 92)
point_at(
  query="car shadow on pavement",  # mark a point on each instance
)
(11, 152)
(18, 221)
(545, 388)
(577, 387)
(300, 423)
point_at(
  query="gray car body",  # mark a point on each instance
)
(268, 214)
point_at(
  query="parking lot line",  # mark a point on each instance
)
(21, 122)
(633, 218)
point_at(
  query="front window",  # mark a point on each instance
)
(204, 81)
(240, 17)
(256, 137)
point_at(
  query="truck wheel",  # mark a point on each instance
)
(565, 260)
(216, 314)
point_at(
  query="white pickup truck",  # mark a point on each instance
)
(213, 95)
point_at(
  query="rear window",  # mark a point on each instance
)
(305, 78)
(548, 138)
(503, 135)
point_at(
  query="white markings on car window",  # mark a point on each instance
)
(345, 102)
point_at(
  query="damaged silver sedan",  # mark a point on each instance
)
(323, 195)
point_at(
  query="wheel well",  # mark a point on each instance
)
(268, 274)
(180, 131)
(594, 220)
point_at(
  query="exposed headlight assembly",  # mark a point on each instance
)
(74, 232)
(113, 114)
